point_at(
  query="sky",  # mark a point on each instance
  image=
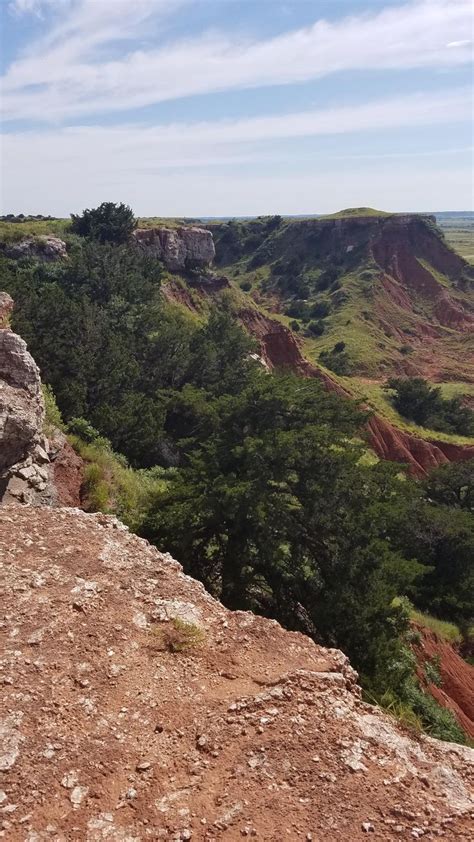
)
(236, 107)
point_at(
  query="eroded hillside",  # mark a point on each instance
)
(109, 732)
(388, 285)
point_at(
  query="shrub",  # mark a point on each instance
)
(109, 223)
(53, 420)
(320, 309)
(316, 328)
(80, 427)
(295, 326)
(415, 399)
(432, 672)
(337, 360)
(178, 636)
(246, 286)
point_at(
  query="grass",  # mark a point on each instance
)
(448, 631)
(351, 212)
(459, 234)
(111, 486)
(13, 231)
(178, 636)
(378, 400)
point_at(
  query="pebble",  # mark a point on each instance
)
(143, 765)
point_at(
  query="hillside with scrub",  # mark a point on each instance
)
(209, 423)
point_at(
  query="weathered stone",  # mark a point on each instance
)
(180, 249)
(21, 401)
(6, 307)
(46, 248)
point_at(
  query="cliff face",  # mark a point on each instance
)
(110, 732)
(180, 249)
(393, 289)
(32, 468)
(279, 350)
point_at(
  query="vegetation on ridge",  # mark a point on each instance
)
(261, 489)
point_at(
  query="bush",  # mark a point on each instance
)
(294, 325)
(53, 420)
(246, 286)
(80, 427)
(321, 309)
(109, 223)
(337, 360)
(297, 309)
(415, 399)
(316, 328)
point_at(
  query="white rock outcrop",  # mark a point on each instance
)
(24, 459)
(46, 248)
(180, 249)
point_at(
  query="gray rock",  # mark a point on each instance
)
(179, 249)
(47, 248)
(6, 307)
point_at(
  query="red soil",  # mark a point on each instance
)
(456, 691)
(68, 476)
(280, 349)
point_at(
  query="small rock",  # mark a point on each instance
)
(368, 827)
(77, 795)
(143, 765)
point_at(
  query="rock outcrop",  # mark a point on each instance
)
(6, 307)
(180, 249)
(47, 248)
(22, 447)
(33, 468)
(112, 731)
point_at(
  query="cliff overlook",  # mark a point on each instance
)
(136, 707)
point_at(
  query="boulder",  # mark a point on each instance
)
(48, 249)
(21, 401)
(180, 249)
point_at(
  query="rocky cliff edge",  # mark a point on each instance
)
(33, 468)
(136, 707)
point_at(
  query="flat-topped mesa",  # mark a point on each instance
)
(48, 249)
(180, 249)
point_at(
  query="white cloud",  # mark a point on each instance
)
(66, 75)
(62, 170)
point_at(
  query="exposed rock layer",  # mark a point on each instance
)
(280, 349)
(180, 249)
(33, 469)
(253, 732)
(46, 248)
(21, 402)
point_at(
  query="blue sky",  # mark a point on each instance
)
(221, 107)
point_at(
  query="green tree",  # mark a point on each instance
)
(108, 223)
(274, 512)
(452, 484)
(414, 398)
